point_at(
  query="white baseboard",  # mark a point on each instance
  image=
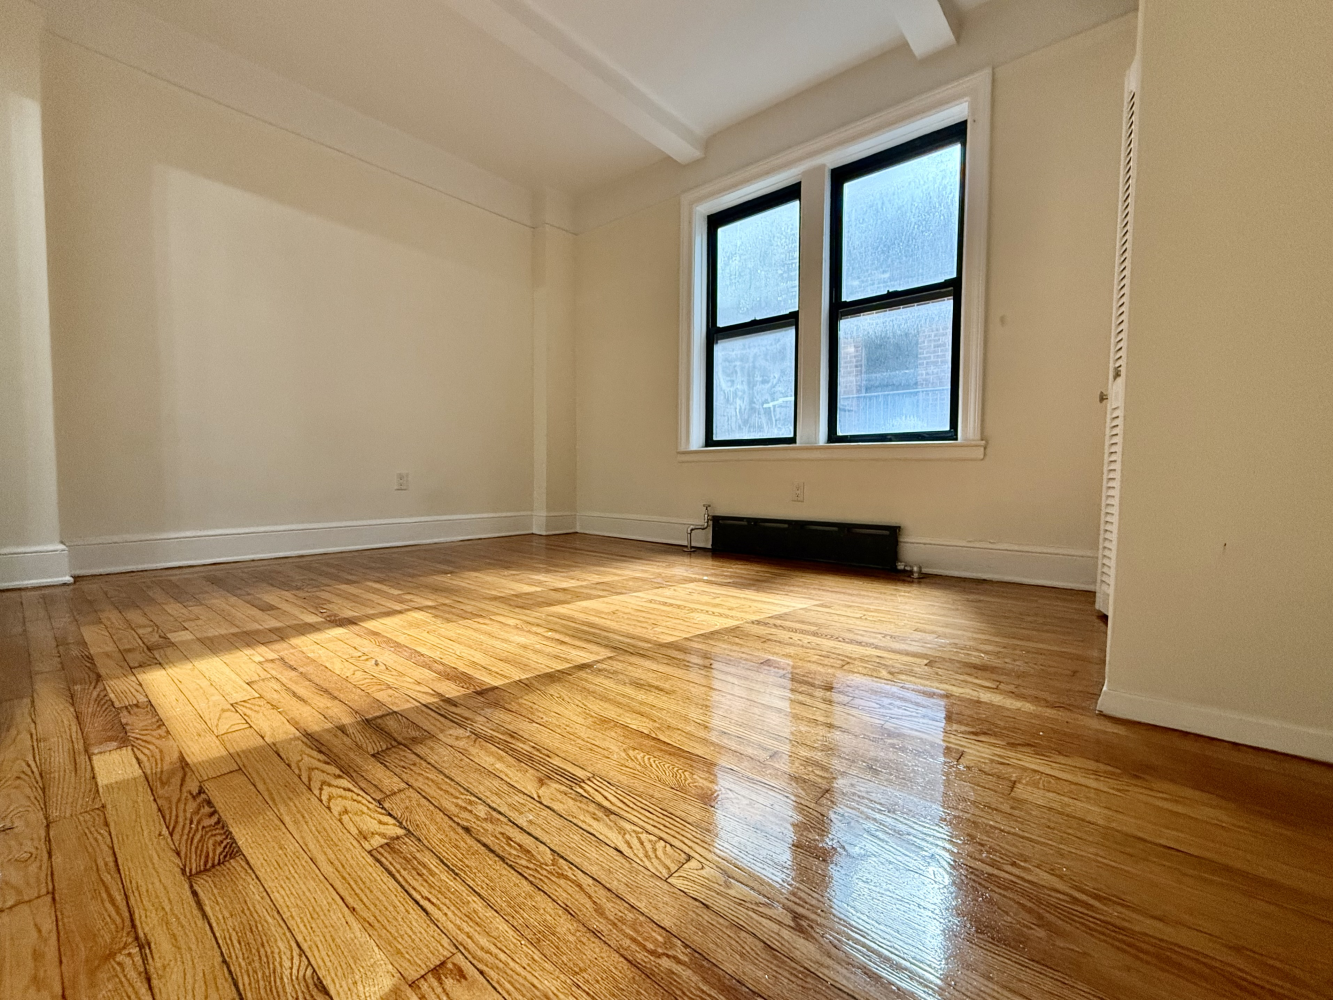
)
(1235, 727)
(34, 566)
(668, 530)
(555, 524)
(122, 553)
(981, 560)
(1072, 569)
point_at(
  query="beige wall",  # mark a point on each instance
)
(1055, 142)
(554, 485)
(30, 547)
(1222, 619)
(250, 329)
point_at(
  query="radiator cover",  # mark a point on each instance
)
(816, 541)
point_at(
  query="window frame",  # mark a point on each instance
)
(778, 321)
(951, 288)
(811, 163)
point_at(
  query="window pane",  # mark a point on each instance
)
(757, 265)
(894, 370)
(754, 385)
(900, 225)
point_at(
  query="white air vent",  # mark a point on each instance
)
(1115, 409)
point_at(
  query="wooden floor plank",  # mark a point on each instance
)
(265, 959)
(570, 946)
(732, 947)
(15, 666)
(575, 767)
(350, 964)
(198, 743)
(67, 774)
(456, 979)
(374, 778)
(24, 864)
(99, 954)
(504, 956)
(181, 955)
(199, 834)
(340, 714)
(41, 635)
(106, 654)
(398, 926)
(361, 815)
(94, 706)
(29, 954)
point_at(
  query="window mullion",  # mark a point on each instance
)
(812, 307)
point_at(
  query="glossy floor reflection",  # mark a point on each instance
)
(573, 768)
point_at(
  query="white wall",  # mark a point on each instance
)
(554, 499)
(251, 330)
(30, 549)
(1029, 509)
(1222, 622)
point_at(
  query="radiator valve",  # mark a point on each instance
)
(689, 531)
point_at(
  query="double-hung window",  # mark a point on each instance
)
(753, 287)
(833, 296)
(896, 263)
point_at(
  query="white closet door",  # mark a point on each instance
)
(1115, 408)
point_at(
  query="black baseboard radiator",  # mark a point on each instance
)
(874, 545)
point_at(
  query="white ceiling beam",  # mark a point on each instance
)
(587, 72)
(925, 25)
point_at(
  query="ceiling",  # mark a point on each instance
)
(563, 94)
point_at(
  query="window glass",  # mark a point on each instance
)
(894, 369)
(900, 225)
(758, 263)
(754, 385)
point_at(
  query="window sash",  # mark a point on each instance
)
(950, 289)
(764, 324)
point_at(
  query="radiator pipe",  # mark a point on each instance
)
(689, 531)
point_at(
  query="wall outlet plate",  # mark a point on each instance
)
(401, 482)
(798, 492)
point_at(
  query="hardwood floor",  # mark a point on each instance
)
(572, 767)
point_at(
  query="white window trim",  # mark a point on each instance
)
(810, 163)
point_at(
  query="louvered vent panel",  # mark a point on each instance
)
(1115, 409)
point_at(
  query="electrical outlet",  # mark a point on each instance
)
(401, 483)
(798, 492)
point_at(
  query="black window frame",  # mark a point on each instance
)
(714, 333)
(839, 310)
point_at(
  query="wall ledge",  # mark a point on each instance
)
(1220, 723)
(34, 566)
(879, 451)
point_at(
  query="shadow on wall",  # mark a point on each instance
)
(26, 507)
(280, 366)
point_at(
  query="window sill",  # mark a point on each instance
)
(887, 451)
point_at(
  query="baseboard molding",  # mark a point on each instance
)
(123, 553)
(1235, 727)
(668, 530)
(555, 524)
(1044, 566)
(34, 566)
(1071, 569)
